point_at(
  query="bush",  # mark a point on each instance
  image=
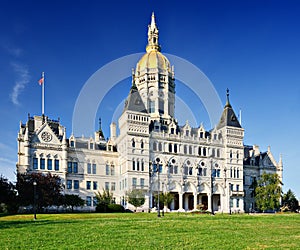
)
(109, 208)
(115, 208)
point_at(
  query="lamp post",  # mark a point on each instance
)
(158, 186)
(34, 200)
(212, 188)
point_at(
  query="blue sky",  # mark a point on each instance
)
(251, 47)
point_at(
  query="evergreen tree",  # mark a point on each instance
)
(289, 200)
(8, 197)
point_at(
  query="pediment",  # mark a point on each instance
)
(45, 135)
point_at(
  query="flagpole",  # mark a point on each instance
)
(43, 93)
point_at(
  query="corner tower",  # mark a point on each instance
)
(154, 79)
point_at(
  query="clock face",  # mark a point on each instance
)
(46, 136)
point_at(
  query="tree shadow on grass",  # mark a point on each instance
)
(31, 223)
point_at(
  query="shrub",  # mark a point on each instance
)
(115, 208)
(109, 208)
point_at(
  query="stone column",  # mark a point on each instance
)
(195, 201)
(209, 202)
(180, 201)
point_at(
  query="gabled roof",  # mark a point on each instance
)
(228, 117)
(134, 101)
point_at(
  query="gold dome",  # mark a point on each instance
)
(153, 60)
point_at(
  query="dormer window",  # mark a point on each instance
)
(72, 144)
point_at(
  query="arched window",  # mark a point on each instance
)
(204, 151)
(142, 144)
(175, 148)
(237, 173)
(133, 164)
(190, 150)
(237, 154)
(142, 166)
(133, 143)
(161, 106)
(185, 149)
(170, 147)
(230, 154)
(199, 150)
(154, 146)
(213, 152)
(160, 146)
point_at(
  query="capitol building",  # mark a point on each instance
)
(208, 168)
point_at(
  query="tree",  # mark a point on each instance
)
(48, 189)
(103, 200)
(8, 195)
(72, 200)
(165, 199)
(136, 197)
(289, 201)
(268, 192)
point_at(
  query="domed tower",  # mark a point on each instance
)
(154, 79)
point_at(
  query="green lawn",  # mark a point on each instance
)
(146, 231)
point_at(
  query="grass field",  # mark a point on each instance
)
(146, 231)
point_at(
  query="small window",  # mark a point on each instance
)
(56, 165)
(175, 148)
(142, 180)
(175, 169)
(143, 166)
(95, 201)
(133, 143)
(133, 165)
(88, 185)
(35, 163)
(89, 201)
(142, 144)
(49, 164)
(89, 168)
(42, 163)
(106, 186)
(134, 182)
(69, 167)
(152, 107)
(72, 144)
(76, 184)
(69, 184)
(75, 167)
(113, 186)
(94, 168)
(107, 169)
(112, 170)
(95, 185)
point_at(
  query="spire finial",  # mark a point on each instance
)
(227, 98)
(153, 24)
(100, 124)
(152, 36)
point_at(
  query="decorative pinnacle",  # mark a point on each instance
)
(227, 98)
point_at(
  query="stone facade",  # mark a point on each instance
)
(212, 169)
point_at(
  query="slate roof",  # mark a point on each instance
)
(228, 117)
(134, 101)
